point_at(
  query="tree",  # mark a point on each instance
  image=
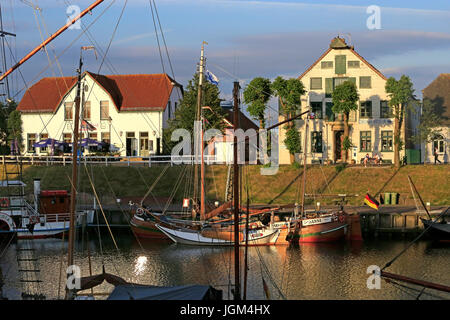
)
(256, 96)
(345, 97)
(15, 128)
(186, 113)
(400, 93)
(289, 93)
(429, 121)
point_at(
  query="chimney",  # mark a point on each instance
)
(37, 192)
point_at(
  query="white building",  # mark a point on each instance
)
(127, 111)
(371, 126)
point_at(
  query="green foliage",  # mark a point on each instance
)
(345, 97)
(292, 140)
(256, 96)
(186, 113)
(400, 92)
(296, 165)
(5, 110)
(289, 92)
(346, 144)
(429, 120)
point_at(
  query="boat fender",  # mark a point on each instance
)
(341, 218)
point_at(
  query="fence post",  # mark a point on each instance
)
(149, 161)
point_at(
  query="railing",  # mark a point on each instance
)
(110, 160)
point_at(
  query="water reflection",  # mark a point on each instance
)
(309, 271)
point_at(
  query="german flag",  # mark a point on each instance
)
(371, 202)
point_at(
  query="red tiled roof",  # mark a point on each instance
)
(139, 92)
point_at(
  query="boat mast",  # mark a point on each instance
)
(237, 285)
(199, 148)
(304, 165)
(51, 38)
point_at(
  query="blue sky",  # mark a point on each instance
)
(245, 39)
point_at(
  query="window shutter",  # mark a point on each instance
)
(329, 111)
(328, 87)
(340, 64)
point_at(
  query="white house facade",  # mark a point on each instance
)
(127, 112)
(371, 126)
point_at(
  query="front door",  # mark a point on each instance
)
(338, 140)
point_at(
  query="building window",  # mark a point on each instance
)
(387, 139)
(365, 82)
(366, 109)
(316, 141)
(353, 64)
(87, 110)
(43, 136)
(338, 81)
(106, 137)
(329, 111)
(340, 64)
(104, 110)
(316, 108)
(326, 64)
(385, 110)
(150, 145)
(93, 135)
(143, 142)
(439, 144)
(68, 113)
(31, 139)
(316, 83)
(365, 141)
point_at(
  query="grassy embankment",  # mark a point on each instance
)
(433, 182)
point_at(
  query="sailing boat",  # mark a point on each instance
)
(318, 226)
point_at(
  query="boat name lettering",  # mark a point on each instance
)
(310, 222)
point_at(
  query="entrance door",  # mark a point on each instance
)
(338, 140)
(131, 144)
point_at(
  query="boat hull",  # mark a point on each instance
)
(189, 237)
(438, 231)
(146, 229)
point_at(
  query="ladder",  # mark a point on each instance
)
(28, 267)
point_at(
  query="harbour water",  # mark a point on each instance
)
(310, 271)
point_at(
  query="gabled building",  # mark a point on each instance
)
(371, 126)
(128, 112)
(438, 94)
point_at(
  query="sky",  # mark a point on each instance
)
(246, 39)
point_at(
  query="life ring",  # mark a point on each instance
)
(4, 202)
(341, 218)
(253, 226)
(139, 212)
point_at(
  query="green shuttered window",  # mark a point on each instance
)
(365, 82)
(328, 87)
(340, 64)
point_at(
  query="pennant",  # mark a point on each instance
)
(211, 77)
(371, 202)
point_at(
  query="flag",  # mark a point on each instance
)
(371, 202)
(87, 126)
(266, 289)
(211, 77)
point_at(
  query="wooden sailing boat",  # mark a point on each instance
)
(318, 226)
